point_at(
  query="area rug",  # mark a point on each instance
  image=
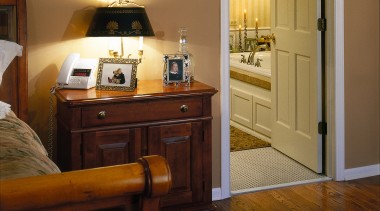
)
(240, 140)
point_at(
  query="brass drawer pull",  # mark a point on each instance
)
(184, 108)
(102, 115)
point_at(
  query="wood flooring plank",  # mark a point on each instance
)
(364, 200)
(303, 199)
(361, 194)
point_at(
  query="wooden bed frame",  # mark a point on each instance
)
(14, 86)
(135, 186)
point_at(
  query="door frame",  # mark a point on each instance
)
(335, 138)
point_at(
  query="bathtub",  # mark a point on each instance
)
(265, 68)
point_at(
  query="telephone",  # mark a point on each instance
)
(77, 73)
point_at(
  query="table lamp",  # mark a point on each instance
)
(121, 19)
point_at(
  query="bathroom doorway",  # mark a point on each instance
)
(271, 152)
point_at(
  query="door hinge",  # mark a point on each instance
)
(322, 128)
(322, 24)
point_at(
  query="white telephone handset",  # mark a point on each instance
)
(77, 73)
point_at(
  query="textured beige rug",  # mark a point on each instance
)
(265, 167)
(240, 140)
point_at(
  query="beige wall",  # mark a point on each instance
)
(56, 28)
(362, 83)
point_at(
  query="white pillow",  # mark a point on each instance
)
(8, 51)
(4, 109)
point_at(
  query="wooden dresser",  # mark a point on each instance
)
(100, 128)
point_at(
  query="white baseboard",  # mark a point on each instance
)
(362, 172)
(216, 194)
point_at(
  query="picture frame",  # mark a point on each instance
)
(117, 74)
(176, 68)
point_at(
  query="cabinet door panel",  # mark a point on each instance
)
(177, 144)
(177, 152)
(105, 148)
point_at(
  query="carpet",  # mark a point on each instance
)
(240, 140)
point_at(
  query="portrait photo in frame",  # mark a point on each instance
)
(117, 74)
(175, 68)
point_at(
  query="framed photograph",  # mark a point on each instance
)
(117, 74)
(176, 68)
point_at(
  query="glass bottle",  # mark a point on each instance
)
(189, 60)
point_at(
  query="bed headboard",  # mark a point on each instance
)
(14, 86)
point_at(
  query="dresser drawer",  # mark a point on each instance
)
(141, 111)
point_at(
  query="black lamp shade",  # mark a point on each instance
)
(120, 22)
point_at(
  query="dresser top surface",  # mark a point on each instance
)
(145, 89)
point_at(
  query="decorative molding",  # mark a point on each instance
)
(217, 194)
(270, 187)
(339, 92)
(225, 99)
(362, 172)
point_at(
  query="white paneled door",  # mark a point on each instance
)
(296, 81)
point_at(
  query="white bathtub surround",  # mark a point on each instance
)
(251, 109)
(250, 95)
(264, 56)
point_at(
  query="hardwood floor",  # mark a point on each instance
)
(361, 194)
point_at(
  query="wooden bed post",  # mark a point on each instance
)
(157, 181)
(91, 189)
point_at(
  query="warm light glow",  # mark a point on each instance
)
(113, 43)
(239, 26)
(141, 43)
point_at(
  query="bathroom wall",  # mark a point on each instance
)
(259, 9)
(362, 69)
(57, 28)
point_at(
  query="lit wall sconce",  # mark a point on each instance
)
(121, 19)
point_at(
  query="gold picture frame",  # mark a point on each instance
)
(117, 74)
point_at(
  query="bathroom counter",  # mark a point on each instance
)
(251, 78)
